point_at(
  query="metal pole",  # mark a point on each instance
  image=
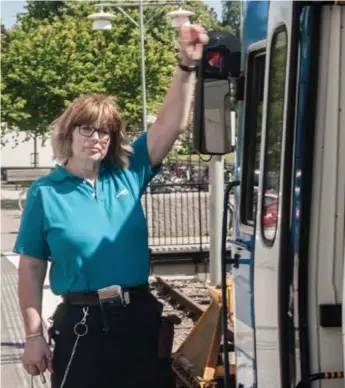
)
(142, 49)
(35, 151)
(216, 216)
(120, 7)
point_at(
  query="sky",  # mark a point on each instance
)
(10, 8)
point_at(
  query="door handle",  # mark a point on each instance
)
(235, 261)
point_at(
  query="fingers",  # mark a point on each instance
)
(198, 30)
(203, 37)
(38, 367)
(194, 33)
(49, 363)
(192, 28)
(32, 369)
(42, 366)
(37, 357)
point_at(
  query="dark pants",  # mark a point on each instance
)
(125, 356)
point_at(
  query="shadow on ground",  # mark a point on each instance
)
(17, 345)
(9, 204)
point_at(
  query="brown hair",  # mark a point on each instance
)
(93, 108)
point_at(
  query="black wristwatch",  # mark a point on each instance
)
(188, 69)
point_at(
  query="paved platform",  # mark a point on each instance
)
(13, 374)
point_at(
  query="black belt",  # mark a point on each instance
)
(91, 298)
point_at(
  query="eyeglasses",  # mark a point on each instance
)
(88, 131)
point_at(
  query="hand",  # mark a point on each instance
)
(192, 40)
(37, 356)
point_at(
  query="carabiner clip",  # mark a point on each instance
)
(42, 377)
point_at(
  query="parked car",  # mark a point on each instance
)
(270, 210)
(270, 216)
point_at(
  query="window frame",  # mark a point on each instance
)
(278, 29)
(255, 51)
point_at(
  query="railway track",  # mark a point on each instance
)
(177, 303)
(172, 264)
(188, 300)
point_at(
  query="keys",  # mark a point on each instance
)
(42, 377)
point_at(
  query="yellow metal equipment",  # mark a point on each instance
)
(198, 360)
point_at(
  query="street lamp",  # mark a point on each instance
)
(180, 17)
(102, 21)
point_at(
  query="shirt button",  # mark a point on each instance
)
(94, 194)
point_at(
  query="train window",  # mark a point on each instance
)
(252, 134)
(274, 131)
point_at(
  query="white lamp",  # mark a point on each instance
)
(101, 20)
(180, 17)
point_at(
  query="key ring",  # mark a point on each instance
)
(83, 328)
(80, 329)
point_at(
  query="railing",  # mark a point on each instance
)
(178, 219)
(177, 216)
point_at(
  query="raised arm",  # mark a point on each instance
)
(172, 118)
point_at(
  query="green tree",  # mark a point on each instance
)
(38, 10)
(53, 56)
(231, 16)
(11, 105)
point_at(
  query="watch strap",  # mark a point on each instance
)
(188, 69)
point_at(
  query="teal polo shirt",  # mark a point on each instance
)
(94, 237)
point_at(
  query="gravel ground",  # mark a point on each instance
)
(194, 289)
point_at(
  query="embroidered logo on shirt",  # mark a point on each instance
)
(121, 193)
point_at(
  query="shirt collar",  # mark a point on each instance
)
(60, 173)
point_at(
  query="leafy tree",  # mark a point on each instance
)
(11, 106)
(276, 98)
(231, 16)
(53, 56)
(39, 10)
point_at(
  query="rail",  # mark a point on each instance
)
(194, 309)
(178, 219)
(183, 302)
(197, 360)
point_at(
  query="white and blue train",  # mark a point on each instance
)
(288, 247)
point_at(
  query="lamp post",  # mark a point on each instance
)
(143, 76)
(102, 21)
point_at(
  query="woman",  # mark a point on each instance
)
(86, 217)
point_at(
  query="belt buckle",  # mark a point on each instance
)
(111, 295)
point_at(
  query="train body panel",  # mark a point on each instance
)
(326, 241)
(287, 245)
(254, 14)
(291, 130)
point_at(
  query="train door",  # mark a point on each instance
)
(242, 276)
(254, 30)
(325, 257)
(273, 215)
